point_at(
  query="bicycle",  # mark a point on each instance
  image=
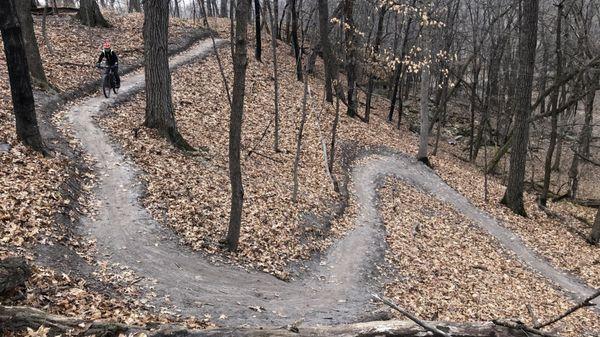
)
(108, 80)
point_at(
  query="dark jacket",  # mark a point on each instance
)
(111, 57)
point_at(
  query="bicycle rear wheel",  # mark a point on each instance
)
(106, 86)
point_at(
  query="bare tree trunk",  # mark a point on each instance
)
(398, 78)
(45, 31)
(378, 37)
(240, 61)
(159, 107)
(90, 15)
(554, 104)
(328, 60)
(424, 105)
(476, 71)
(513, 197)
(34, 61)
(223, 12)
(299, 142)
(584, 137)
(334, 133)
(350, 55)
(295, 43)
(258, 49)
(595, 236)
(134, 6)
(20, 81)
(275, 79)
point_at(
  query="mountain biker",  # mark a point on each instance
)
(111, 60)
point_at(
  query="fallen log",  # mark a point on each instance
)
(14, 271)
(20, 318)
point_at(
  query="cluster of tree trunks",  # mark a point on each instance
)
(20, 318)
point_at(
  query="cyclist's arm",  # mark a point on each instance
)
(116, 58)
(101, 57)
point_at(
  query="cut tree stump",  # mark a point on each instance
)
(14, 271)
(20, 318)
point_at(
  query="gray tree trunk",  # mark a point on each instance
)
(424, 105)
(275, 79)
(240, 61)
(513, 196)
(376, 44)
(90, 15)
(350, 55)
(134, 6)
(34, 61)
(159, 108)
(595, 237)
(299, 142)
(554, 106)
(328, 60)
(583, 142)
(223, 11)
(19, 78)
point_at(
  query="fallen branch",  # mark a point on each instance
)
(19, 318)
(413, 318)
(585, 303)
(521, 326)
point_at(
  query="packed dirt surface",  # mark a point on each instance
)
(337, 291)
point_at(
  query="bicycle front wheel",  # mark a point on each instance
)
(106, 86)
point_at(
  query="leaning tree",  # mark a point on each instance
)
(20, 81)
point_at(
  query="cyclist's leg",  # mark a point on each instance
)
(117, 77)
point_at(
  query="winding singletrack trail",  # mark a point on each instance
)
(336, 290)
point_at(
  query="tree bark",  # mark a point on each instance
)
(595, 236)
(513, 196)
(350, 55)
(295, 43)
(328, 60)
(376, 44)
(275, 79)
(34, 61)
(299, 142)
(18, 318)
(583, 142)
(223, 12)
(240, 61)
(554, 106)
(90, 15)
(134, 6)
(258, 49)
(159, 107)
(19, 78)
(424, 105)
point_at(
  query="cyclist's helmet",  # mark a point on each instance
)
(106, 45)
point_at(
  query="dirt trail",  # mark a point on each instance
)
(422, 177)
(335, 291)
(127, 234)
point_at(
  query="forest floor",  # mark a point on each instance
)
(338, 257)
